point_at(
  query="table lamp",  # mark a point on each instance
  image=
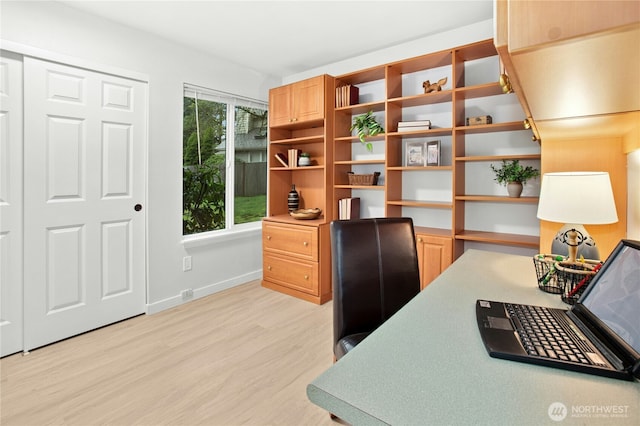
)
(576, 198)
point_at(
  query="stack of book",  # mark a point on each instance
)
(412, 126)
(289, 160)
(347, 95)
(349, 208)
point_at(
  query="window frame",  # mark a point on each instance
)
(231, 229)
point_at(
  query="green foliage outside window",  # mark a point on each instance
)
(203, 198)
(203, 192)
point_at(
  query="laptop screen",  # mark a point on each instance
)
(614, 296)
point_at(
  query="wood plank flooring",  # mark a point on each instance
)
(243, 356)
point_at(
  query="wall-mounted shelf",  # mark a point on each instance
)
(526, 241)
(419, 189)
(498, 199)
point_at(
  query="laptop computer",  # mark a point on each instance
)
(603, 327)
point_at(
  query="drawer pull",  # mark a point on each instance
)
(269, 237)
(305, 244)
(269, 267)
(306, 277)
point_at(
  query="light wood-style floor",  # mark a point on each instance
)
(239, 357)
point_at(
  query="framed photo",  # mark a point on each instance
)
(415, 154)
(433, 153)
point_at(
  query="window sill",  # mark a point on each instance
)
(216, 237)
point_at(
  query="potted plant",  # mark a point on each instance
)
(514, 175)
(366, 125)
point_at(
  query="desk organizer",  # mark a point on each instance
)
(546, 272)
(574, 277)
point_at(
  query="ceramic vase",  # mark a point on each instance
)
(514, 189)
(293, 200)
(304, 161)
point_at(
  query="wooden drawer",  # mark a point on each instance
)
(295, 274)
(290, 240)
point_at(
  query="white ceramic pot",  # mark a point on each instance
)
(514, 189)
(304, 161)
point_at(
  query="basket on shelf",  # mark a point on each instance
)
(370, 179)
(574, 277)
(546, 272)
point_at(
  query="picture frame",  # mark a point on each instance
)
(415, 154)
(432, 154)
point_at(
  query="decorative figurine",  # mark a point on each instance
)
(435, 87)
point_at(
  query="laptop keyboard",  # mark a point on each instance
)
(547, 335)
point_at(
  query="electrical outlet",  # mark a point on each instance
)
(186, 263)
(187, 294)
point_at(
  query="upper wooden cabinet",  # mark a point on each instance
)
(297, 103)
(571, 60)
(534, 22)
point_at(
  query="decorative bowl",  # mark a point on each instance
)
(305, 213)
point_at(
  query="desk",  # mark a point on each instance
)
(427, 364)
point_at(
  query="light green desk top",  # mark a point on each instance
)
(427, 364)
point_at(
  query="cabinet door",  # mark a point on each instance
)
(308, 99)
(280, 111)
(434, 256)
(534, 23)
(297, 102)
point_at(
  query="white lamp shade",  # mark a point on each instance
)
(577, 197)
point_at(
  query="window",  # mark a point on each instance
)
(213, 151)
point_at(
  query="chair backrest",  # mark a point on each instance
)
(375, 272)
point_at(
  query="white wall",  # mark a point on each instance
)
(458, 37)
(62, 30)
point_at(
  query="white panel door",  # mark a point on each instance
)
(10, 204)
(84, 224)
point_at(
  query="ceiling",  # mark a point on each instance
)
(283, 38)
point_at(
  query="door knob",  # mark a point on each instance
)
(137, 207)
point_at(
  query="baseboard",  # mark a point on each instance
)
(171, 302)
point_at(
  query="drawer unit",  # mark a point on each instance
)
(296, 259)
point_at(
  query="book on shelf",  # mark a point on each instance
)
(414, 123)
(349, 208)
(294, 154)
(412, 126)
(282, 159)
(347, 95)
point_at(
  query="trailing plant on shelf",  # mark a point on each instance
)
(366, 125)
(513, 175)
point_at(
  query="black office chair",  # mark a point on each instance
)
(375, 273)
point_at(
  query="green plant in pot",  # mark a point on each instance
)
(366, 125)
(514, 175)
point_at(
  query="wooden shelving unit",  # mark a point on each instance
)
(296, 253)
(303, 116)
(402, 98)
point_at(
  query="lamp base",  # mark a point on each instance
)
(586, 246)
